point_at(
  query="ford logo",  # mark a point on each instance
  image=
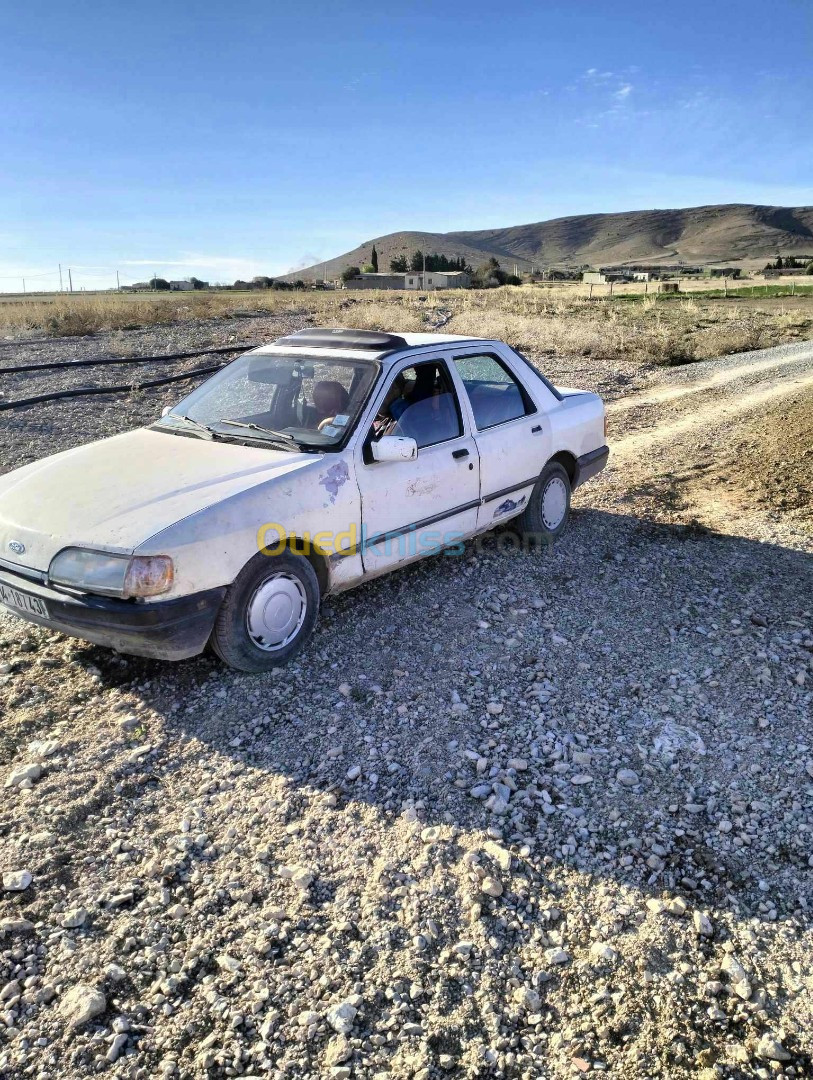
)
(17, 547)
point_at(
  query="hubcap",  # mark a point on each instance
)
(276, 611)
(554, 503)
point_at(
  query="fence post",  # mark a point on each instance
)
(725, 287)
(590, 297)
(611, 288)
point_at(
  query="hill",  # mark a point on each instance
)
(731, 233)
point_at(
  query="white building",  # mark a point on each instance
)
(437, 279)
(181, 286)
(418, 280)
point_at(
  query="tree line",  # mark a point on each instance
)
(791, 263)
(417, 262)
(487, 276)
(162, 285)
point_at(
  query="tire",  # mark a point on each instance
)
(545, 518)
(268, 614)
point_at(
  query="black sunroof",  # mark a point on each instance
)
(374, 340)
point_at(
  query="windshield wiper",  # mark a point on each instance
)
(195, 423)
(279, 436)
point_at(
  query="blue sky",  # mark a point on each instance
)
(225, 140)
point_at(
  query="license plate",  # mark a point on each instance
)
(21, 601)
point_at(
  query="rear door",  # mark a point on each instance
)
(414, 508)
(511, 430)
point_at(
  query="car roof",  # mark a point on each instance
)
(361, 344)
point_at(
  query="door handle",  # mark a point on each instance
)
(460, 453)
(535, 430)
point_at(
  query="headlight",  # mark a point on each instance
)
(148, 575)
(112, 575)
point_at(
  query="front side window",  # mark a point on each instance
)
(420, 404)
(495, 395)
(313, 402)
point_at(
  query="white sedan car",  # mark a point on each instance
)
(301, 469)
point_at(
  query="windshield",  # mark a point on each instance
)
(281, 398)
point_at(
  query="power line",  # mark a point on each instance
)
(29, 277)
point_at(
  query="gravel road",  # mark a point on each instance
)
(507, 816)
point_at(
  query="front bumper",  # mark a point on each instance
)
(588, 465)
(165, 629)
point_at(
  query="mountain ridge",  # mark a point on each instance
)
(702, 235)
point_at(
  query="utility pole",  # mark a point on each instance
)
(70, 282)
(60, 277)
(23, 286)
(423, 276)
(118, 286)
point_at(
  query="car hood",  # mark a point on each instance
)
(116, 493)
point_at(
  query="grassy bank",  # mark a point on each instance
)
(641, 330)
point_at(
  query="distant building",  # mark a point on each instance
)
(651, 271)
(555, 273)
(181, 286)
(432, 279)
(375, 281)
(792, 271)
(605, 277)
(438, 279)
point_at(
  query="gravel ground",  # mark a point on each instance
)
(554, 818)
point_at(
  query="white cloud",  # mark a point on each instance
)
(203, 265)
(623, 92)
(223, 262)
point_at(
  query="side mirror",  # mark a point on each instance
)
(167, 409)
(394, 448)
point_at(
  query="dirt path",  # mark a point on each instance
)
(720, 378)
(667, 429)
(697, 435)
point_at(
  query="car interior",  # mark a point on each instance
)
(312, 401)
(495, 396)
(421, 404)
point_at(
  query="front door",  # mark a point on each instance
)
(414, 508)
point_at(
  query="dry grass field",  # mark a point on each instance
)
(543, 319)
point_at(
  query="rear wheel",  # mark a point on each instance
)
(268, 613)
(545, 518)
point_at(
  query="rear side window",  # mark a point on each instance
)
(495, 395)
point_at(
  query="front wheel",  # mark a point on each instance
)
(268, 613)
(545, 518)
